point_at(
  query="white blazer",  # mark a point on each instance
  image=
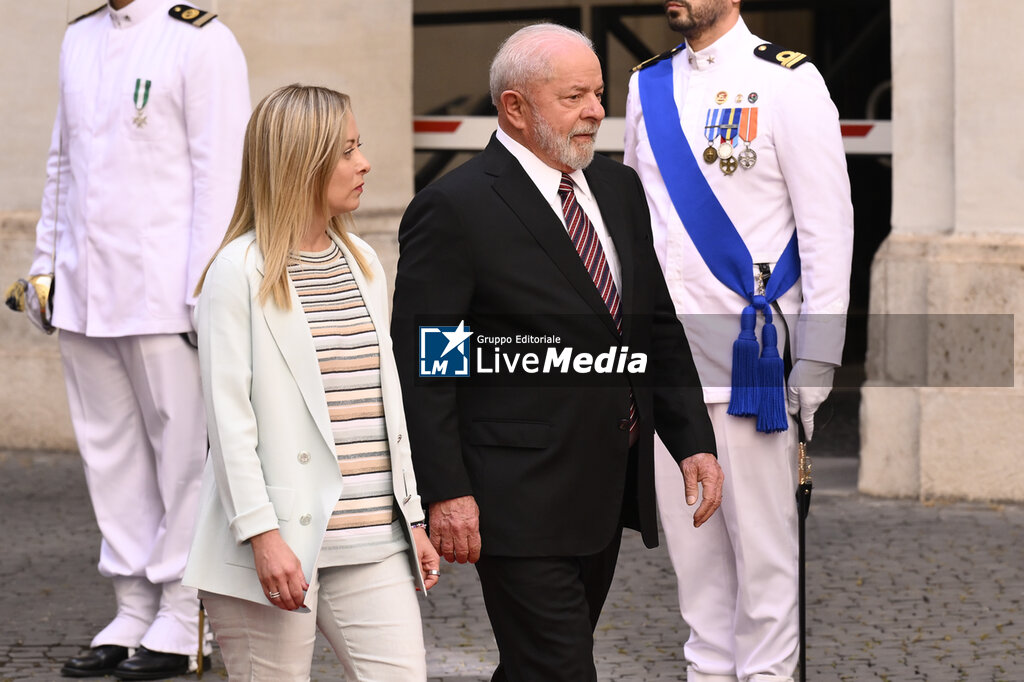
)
(272, 461)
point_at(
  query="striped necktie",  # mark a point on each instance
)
(588, 246)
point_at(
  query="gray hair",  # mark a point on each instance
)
(523, 57)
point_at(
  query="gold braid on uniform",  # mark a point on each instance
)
(657, 58)
(777, 55)
(191, 15)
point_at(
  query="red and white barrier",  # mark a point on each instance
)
(471, 133)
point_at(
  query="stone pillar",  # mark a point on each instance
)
(361, 48)
(940, 415)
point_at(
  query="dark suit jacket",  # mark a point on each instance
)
(550, 466)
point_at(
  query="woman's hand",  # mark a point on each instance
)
(430, 562)
(279, 570)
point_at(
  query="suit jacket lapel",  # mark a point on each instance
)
(291, 333)
(616, 220)
(516, 189)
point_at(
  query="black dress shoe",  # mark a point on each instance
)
(154, 665)
(96, 662)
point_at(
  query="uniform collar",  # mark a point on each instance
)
(723, 48)
(135, 13)
(544, 176)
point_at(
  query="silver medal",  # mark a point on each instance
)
(747, 158)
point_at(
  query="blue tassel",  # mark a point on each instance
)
(771, 413)
(744, 402)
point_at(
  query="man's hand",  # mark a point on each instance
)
(810, 383)
(702, 468)
(455, 529)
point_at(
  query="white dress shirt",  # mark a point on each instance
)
(547, 180)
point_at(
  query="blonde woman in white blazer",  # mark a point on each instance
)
(310, 516)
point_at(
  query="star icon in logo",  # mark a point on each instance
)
(456, 337)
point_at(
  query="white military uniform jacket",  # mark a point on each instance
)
(799, 181)
(272, 458)
(142, 207)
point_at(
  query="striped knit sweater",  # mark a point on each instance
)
(366, 525)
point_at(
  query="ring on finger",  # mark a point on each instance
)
(274, 595)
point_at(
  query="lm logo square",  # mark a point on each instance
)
(444, 351)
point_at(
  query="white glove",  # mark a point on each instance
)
(810, 383)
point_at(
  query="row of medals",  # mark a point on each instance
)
(727, 160)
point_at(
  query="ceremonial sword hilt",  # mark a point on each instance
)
(803, 464)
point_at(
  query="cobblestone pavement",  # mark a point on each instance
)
(897, 590)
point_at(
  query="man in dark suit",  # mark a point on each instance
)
(530, 477)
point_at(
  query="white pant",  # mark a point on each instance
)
(368, 612)
(737, 574)
(137, 409)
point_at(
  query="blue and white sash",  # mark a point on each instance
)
(757, 383)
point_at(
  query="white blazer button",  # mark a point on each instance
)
(304, 457)
(305, 519)
(399, 439)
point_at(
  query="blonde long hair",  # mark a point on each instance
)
(293, 142)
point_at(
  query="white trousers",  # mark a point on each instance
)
(137, 409)
(368, 613)
(737, 574)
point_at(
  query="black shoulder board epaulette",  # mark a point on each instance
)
(87, 14)
(657, 58)
(191, 15)
(773, 53)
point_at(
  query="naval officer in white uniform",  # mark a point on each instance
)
(765, 143)
(141, 182)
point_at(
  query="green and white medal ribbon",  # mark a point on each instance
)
(140, 117)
